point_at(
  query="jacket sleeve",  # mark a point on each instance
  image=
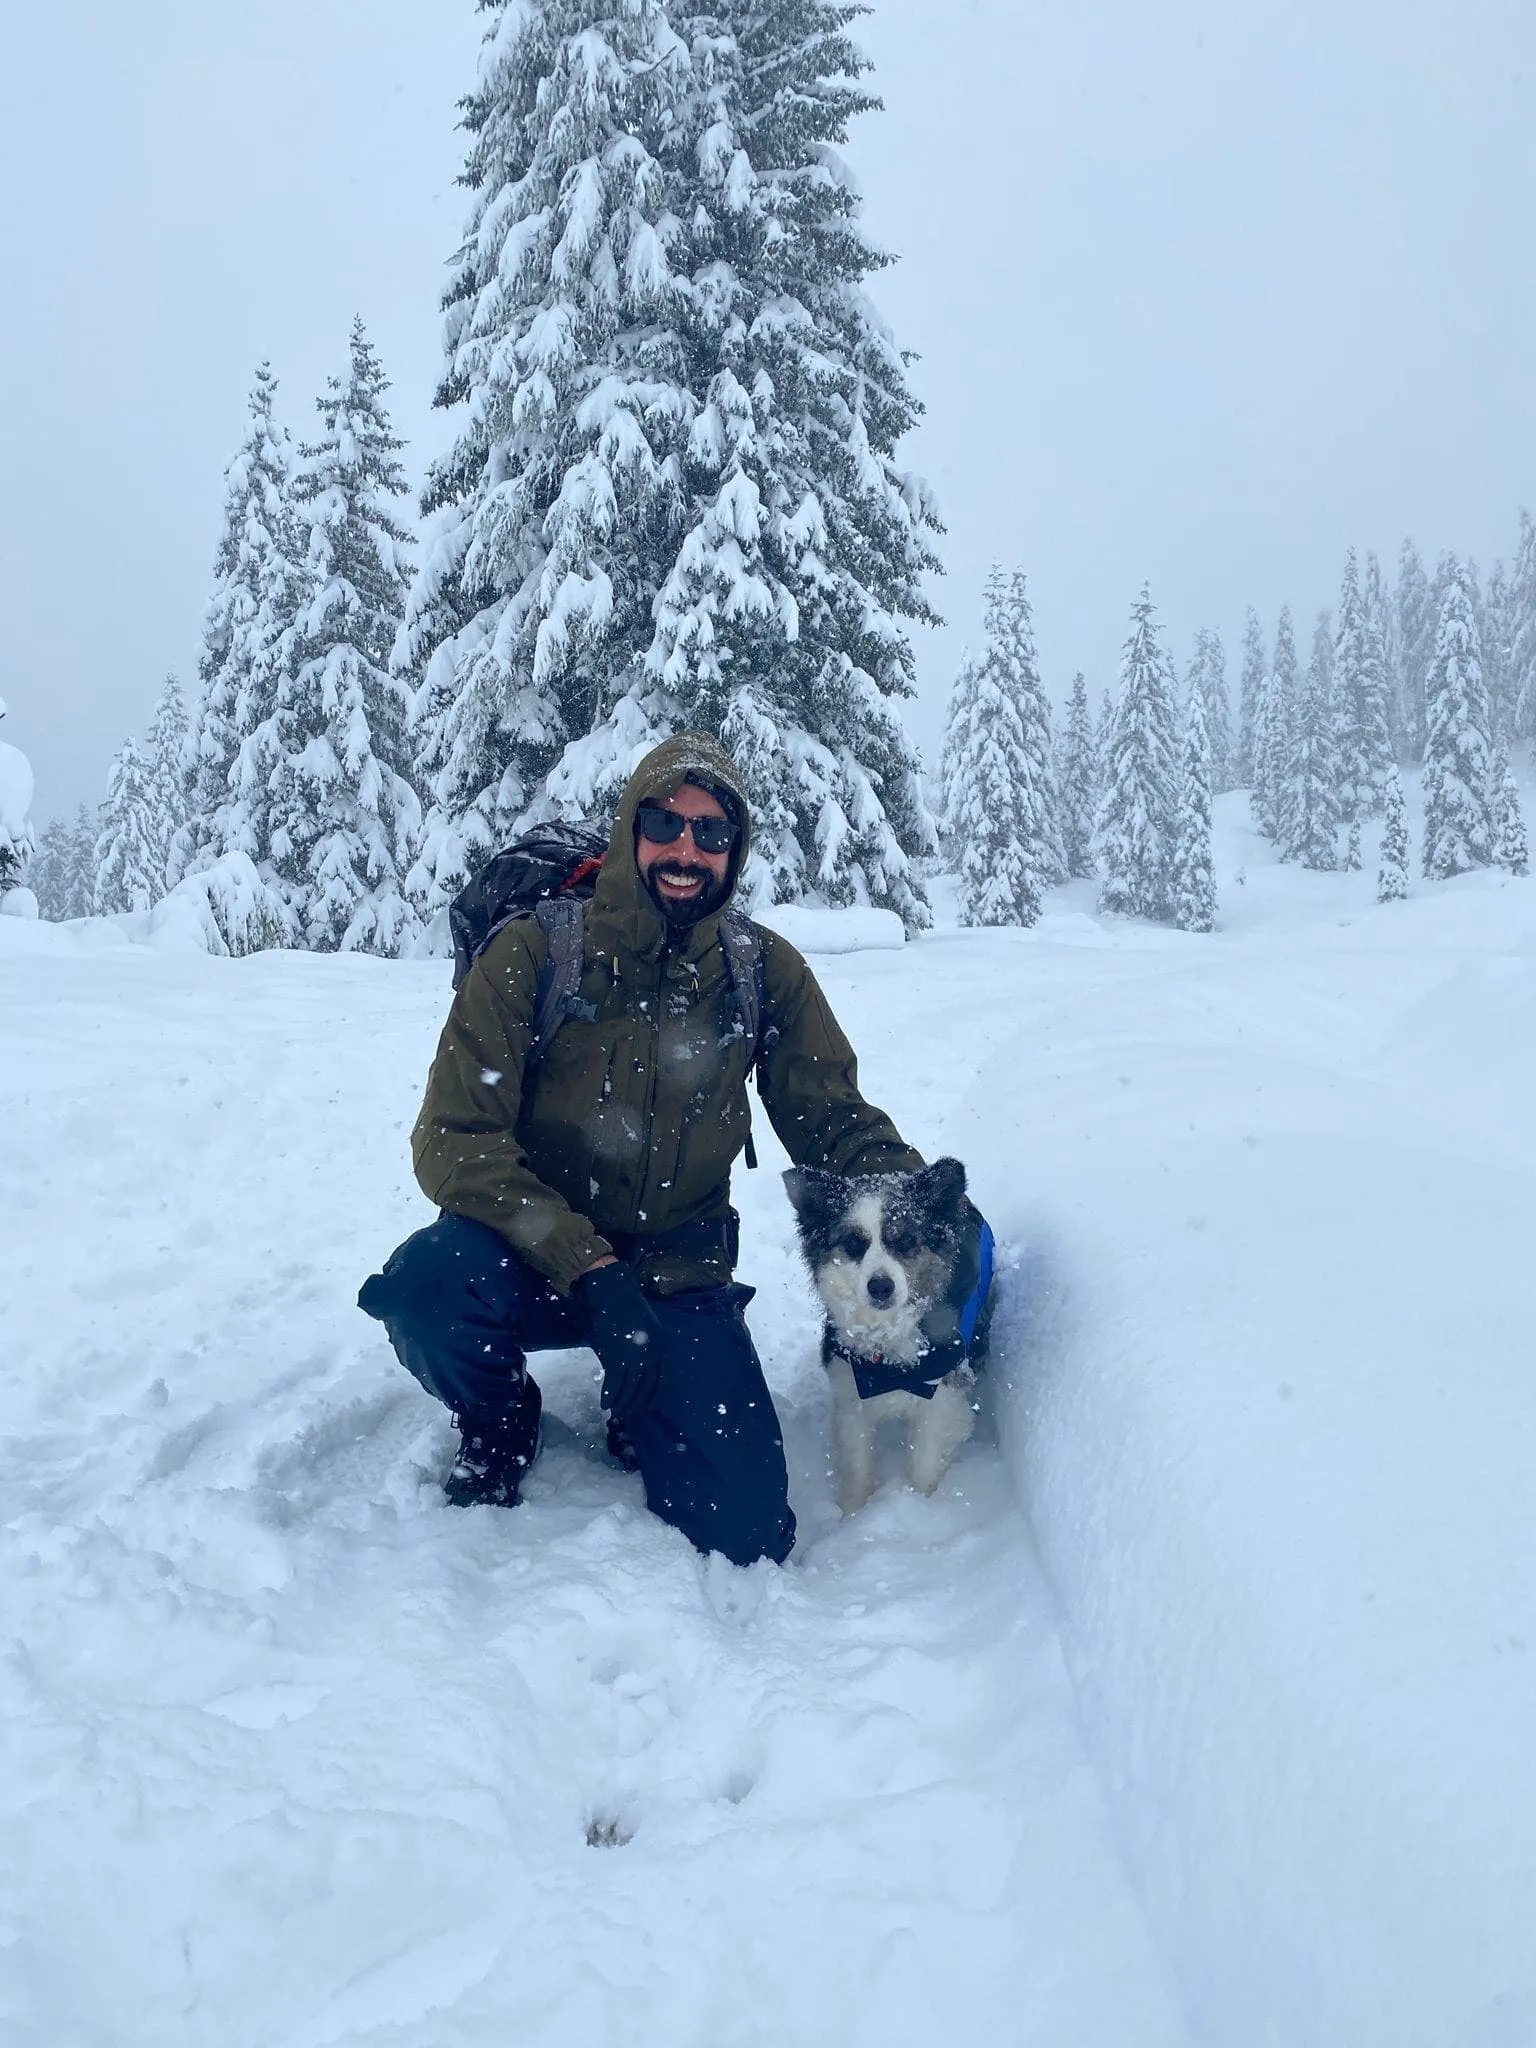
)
(465, 1147)
(810, 1079)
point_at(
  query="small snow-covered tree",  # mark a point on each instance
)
(1194, 868)
(1521, 681)
(1077, 781)
(1361, 718)
(1311, 803)
(1416, 622)
(257, 582)
(1272, 739)
(130, 867)
(1208, 677)
(1000, 808)
(1134, 839)
(674, 500)
(48, 875)
(1511, 849)
(343, 812)
(1250, 698)
(1458, 831)
(1392, 876)
(167, 746)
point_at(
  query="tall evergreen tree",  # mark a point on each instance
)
(1250, 698)
(1001, 805)
(1208, 677)
(1381, 624)
(1416, 625)
(674, 501)
(255, 595)
(1194, 866)
(130, 870)
(1495, 627)
(48, 875)
(1458, 831)
(1138, 810)
(1522, 632)
(168, 778)
(1311, 804)
(81, 896)
(1360, 702)
(1077, 781)
(344, 814)
(1392, 876)
(1272, 738)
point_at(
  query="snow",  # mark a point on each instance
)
(818, 929)
(1196, 1709)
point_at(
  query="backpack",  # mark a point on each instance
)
(549, 874)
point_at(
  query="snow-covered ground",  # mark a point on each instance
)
(1200, 1710)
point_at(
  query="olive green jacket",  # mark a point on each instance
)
(633, 1120)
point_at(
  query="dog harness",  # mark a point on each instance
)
(874, 1375)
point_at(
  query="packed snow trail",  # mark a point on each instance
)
(302, 1756)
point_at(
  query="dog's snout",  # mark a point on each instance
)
(882, 1289)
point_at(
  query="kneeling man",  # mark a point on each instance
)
(587, 1201)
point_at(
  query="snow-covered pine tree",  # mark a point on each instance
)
(1194, 869)
(1272, 739)
(1311, 804)
(1522, 631)
(1495, 626)
(255, 593)
(1360, 702)
(168, 791)
(1458, 831)
(17, 838)
(1250, 698)
(1381, 625)
(1134, 839)
(1077, 781)
(130, 869)
(343, 813)
(1511, 848)
(1416, 623)
(1000, 803)
(1208, 676)
(1392, 875)
(674, 500)
(48, 875)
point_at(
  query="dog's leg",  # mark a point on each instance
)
(937, 1432)
(853, 1441)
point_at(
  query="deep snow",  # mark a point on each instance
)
(301, 1756)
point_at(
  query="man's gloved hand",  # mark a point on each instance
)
(625, 1332)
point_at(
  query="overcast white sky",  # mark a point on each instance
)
(1203, 294)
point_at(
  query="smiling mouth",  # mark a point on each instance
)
(681, 881)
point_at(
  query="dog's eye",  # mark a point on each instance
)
(855, 1244)
(901, 1244)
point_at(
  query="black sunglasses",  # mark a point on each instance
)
(662, 827)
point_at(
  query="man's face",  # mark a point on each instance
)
(680, 875)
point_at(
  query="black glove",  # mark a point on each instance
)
(625, 1332)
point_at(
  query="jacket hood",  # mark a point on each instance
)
(622, 898)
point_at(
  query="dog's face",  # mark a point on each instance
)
(881, 1250)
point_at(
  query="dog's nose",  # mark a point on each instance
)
(881, 1289)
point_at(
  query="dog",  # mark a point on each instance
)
(886, 1254)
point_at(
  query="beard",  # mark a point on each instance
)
(680, 915)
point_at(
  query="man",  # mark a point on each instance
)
(589, 1202)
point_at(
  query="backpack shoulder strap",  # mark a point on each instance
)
(562, 919)
(742, 944)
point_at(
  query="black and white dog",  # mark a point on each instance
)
(906, 1319)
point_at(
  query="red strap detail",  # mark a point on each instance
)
(581, 873)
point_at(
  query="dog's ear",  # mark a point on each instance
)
(817, 1197)
(939, 1190)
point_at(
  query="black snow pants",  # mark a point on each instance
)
(463, 1311)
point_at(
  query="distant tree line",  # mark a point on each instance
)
(1438, 674)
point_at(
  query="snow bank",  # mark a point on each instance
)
(1266, 1384)
(225, 909)
(813, 929)
(20, 903)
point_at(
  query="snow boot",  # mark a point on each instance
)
(493, 1459)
